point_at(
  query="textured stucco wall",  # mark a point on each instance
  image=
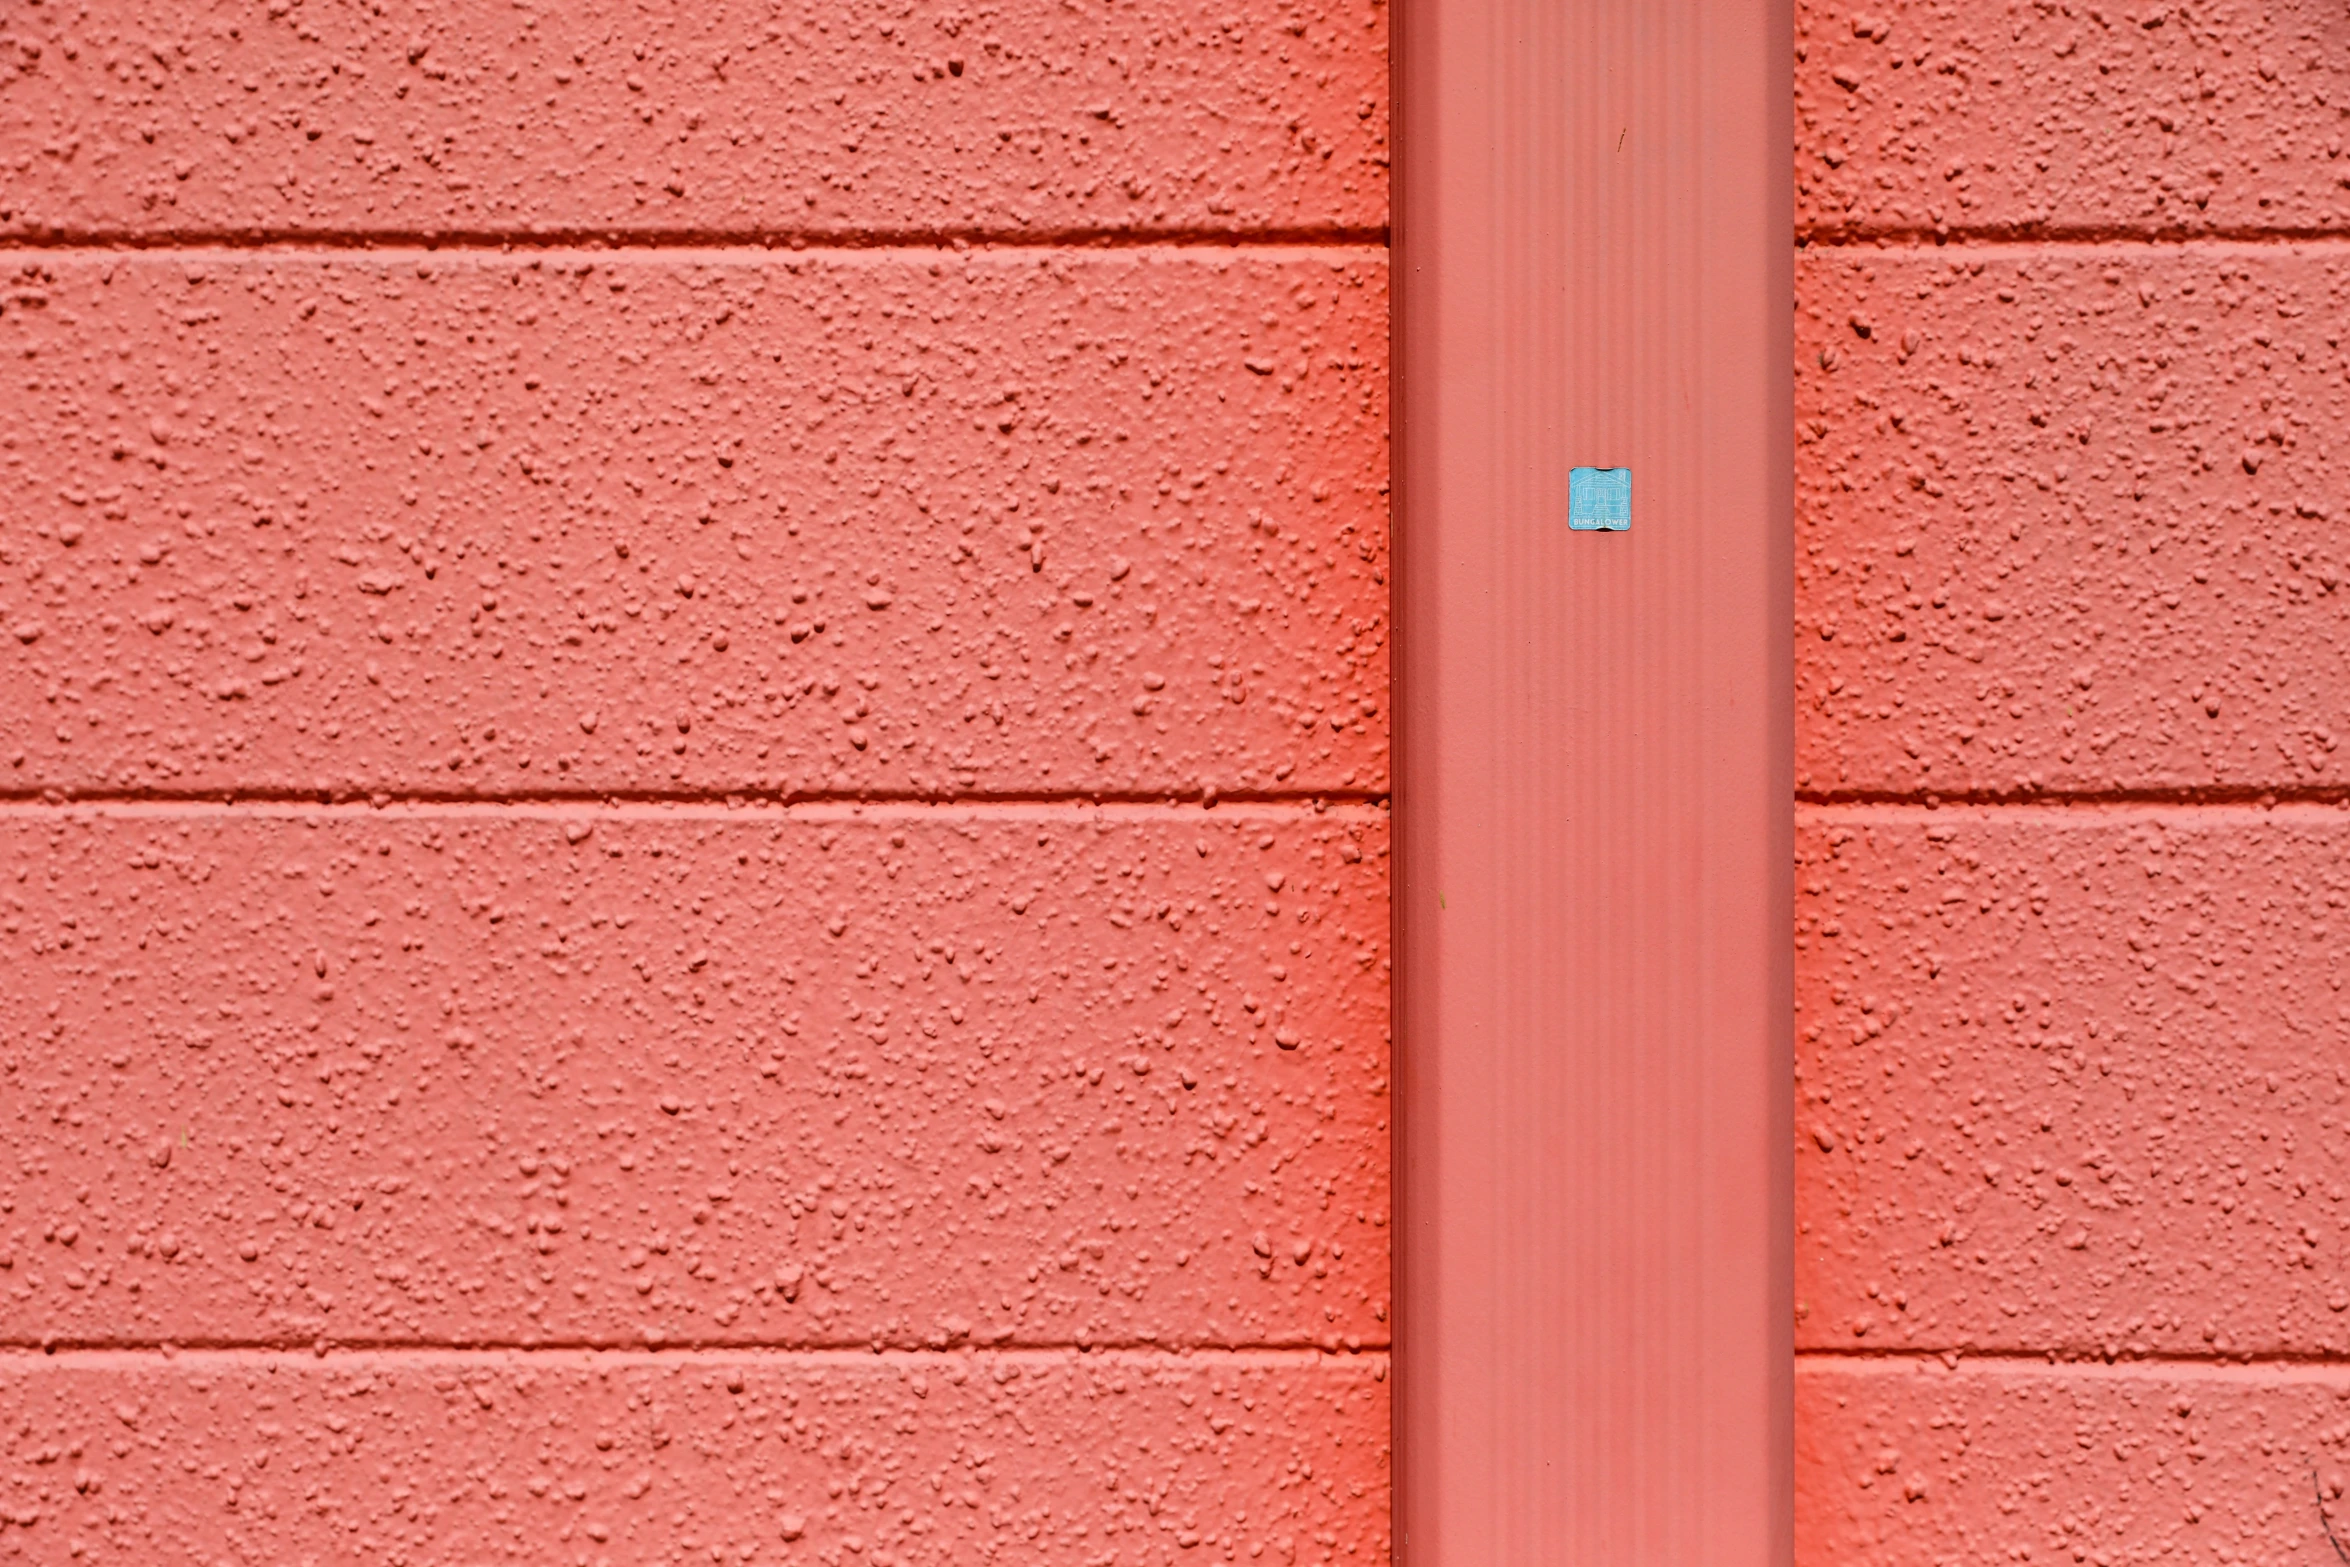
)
(2073, 1165)
(693, 857)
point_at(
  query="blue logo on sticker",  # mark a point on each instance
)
(1599, 500)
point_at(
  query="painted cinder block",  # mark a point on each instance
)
(1927, 118)
(2068, 520)
(475, 525)
(2070, 391)
(902, 1077)
(1903, 1463)
(466, 469)
(145, 119)
(978, 405)
(883, 1458)
(2074, 1080)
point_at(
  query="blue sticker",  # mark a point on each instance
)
(1599, 500)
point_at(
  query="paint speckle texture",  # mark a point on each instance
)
(468, 524)
(1924, 120)
(226, 118)
(693, 763)
(2071, 1098)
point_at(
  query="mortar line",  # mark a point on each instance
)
(2249, 801)
(2314, 1366)
(20, 1357)
(739, 808)
(1981, 242)
(777, 244)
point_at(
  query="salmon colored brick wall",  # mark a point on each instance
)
(2073, 1164)
(694, 849)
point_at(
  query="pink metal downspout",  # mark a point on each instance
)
(1594, 784)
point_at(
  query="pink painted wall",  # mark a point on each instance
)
(694, 856)
(2073, 1129)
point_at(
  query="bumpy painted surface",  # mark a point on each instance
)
(2073, 518)
(440, 1457)
(1956, 120)
(692, 834)
(912, 1079)
(234, 118)
(1007, 522)
(2022, 1463)
(2071, 1105)
(2075, 1081)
